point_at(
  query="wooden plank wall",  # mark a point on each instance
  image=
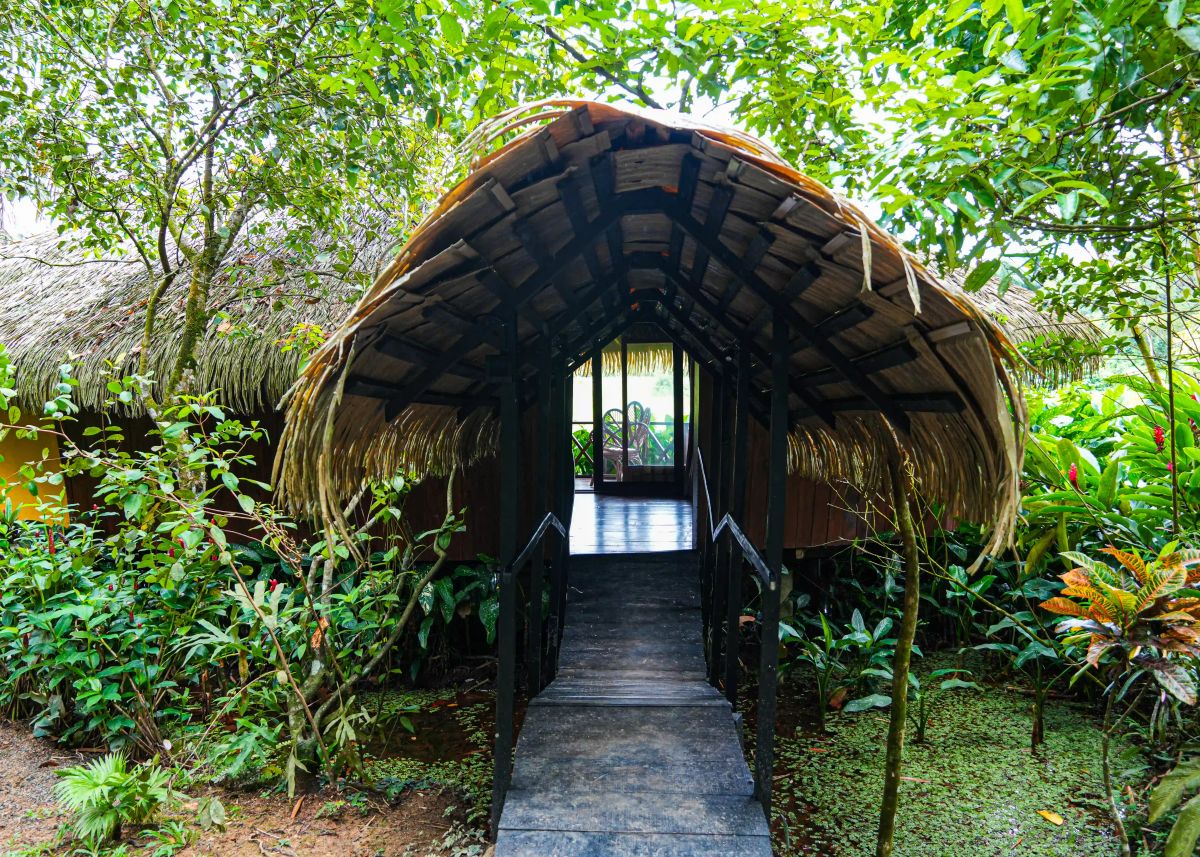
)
(818, 514)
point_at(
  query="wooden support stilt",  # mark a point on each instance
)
(764, 752)
(510, 472)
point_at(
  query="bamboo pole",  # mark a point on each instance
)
(902, 490)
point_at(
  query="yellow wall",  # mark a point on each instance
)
(15, 452)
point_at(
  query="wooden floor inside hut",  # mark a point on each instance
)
(630, 751)
(605, 523)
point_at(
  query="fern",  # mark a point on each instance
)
(106, 795)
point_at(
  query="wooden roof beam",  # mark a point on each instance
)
(809, 335)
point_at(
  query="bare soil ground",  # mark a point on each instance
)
(321, 824)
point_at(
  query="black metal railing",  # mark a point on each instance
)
(721, 609)
(544, 648)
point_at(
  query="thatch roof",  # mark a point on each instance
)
(59, 305)
(596, 217)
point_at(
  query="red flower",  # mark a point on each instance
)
(50, 540)
(1073, 476)
(130, 614)
(1160, 438)
(274, 583)
(1170, 466)
(171, 553)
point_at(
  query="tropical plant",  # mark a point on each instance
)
(107, 796)
(1145, 614)
(1144, 610)
(1099, 468)
(844, 664)
(1183, 778)
(951, 679)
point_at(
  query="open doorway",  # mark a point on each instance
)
(631, 418)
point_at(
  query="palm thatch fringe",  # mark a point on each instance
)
(61, 306)
(643, 359)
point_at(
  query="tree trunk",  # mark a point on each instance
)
(901, 485)
(1105, 746)
(1147, 353)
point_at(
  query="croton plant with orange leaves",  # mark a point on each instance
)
(1148, 610)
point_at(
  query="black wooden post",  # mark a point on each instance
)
(764, 753)
(677, 440)
(723, 467)
(510, 472)
(716, 606)
(624, 408)
(556, 433)
(737, 507)
(541, 505)
(706, 513)
(598, 420)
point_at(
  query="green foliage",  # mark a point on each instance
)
(1099, 469)
(181, 609)
(1184, 778)
(107, 795)
(844, 664)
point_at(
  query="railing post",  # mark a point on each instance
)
(677, 444)
(737, 505)
(510, 472)
(566, 499)
(598, 420)
(764, 754)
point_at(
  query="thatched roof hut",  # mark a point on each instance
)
(60, 305)
(594, 218)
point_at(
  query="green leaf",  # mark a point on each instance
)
(451, 29)
(875, 700)
(979, 277)
(1014, 61)
(132, 505)
(445, 590)
(489, 612)
(1182, 841)
(1175, 13)
(1068, 205)
(1176, 680)
(1168, 793)
(1190, 36)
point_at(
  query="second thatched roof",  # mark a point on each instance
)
(59, 305)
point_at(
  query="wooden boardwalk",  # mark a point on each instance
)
(630, 751)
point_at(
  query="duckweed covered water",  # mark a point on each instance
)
(973, 789)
